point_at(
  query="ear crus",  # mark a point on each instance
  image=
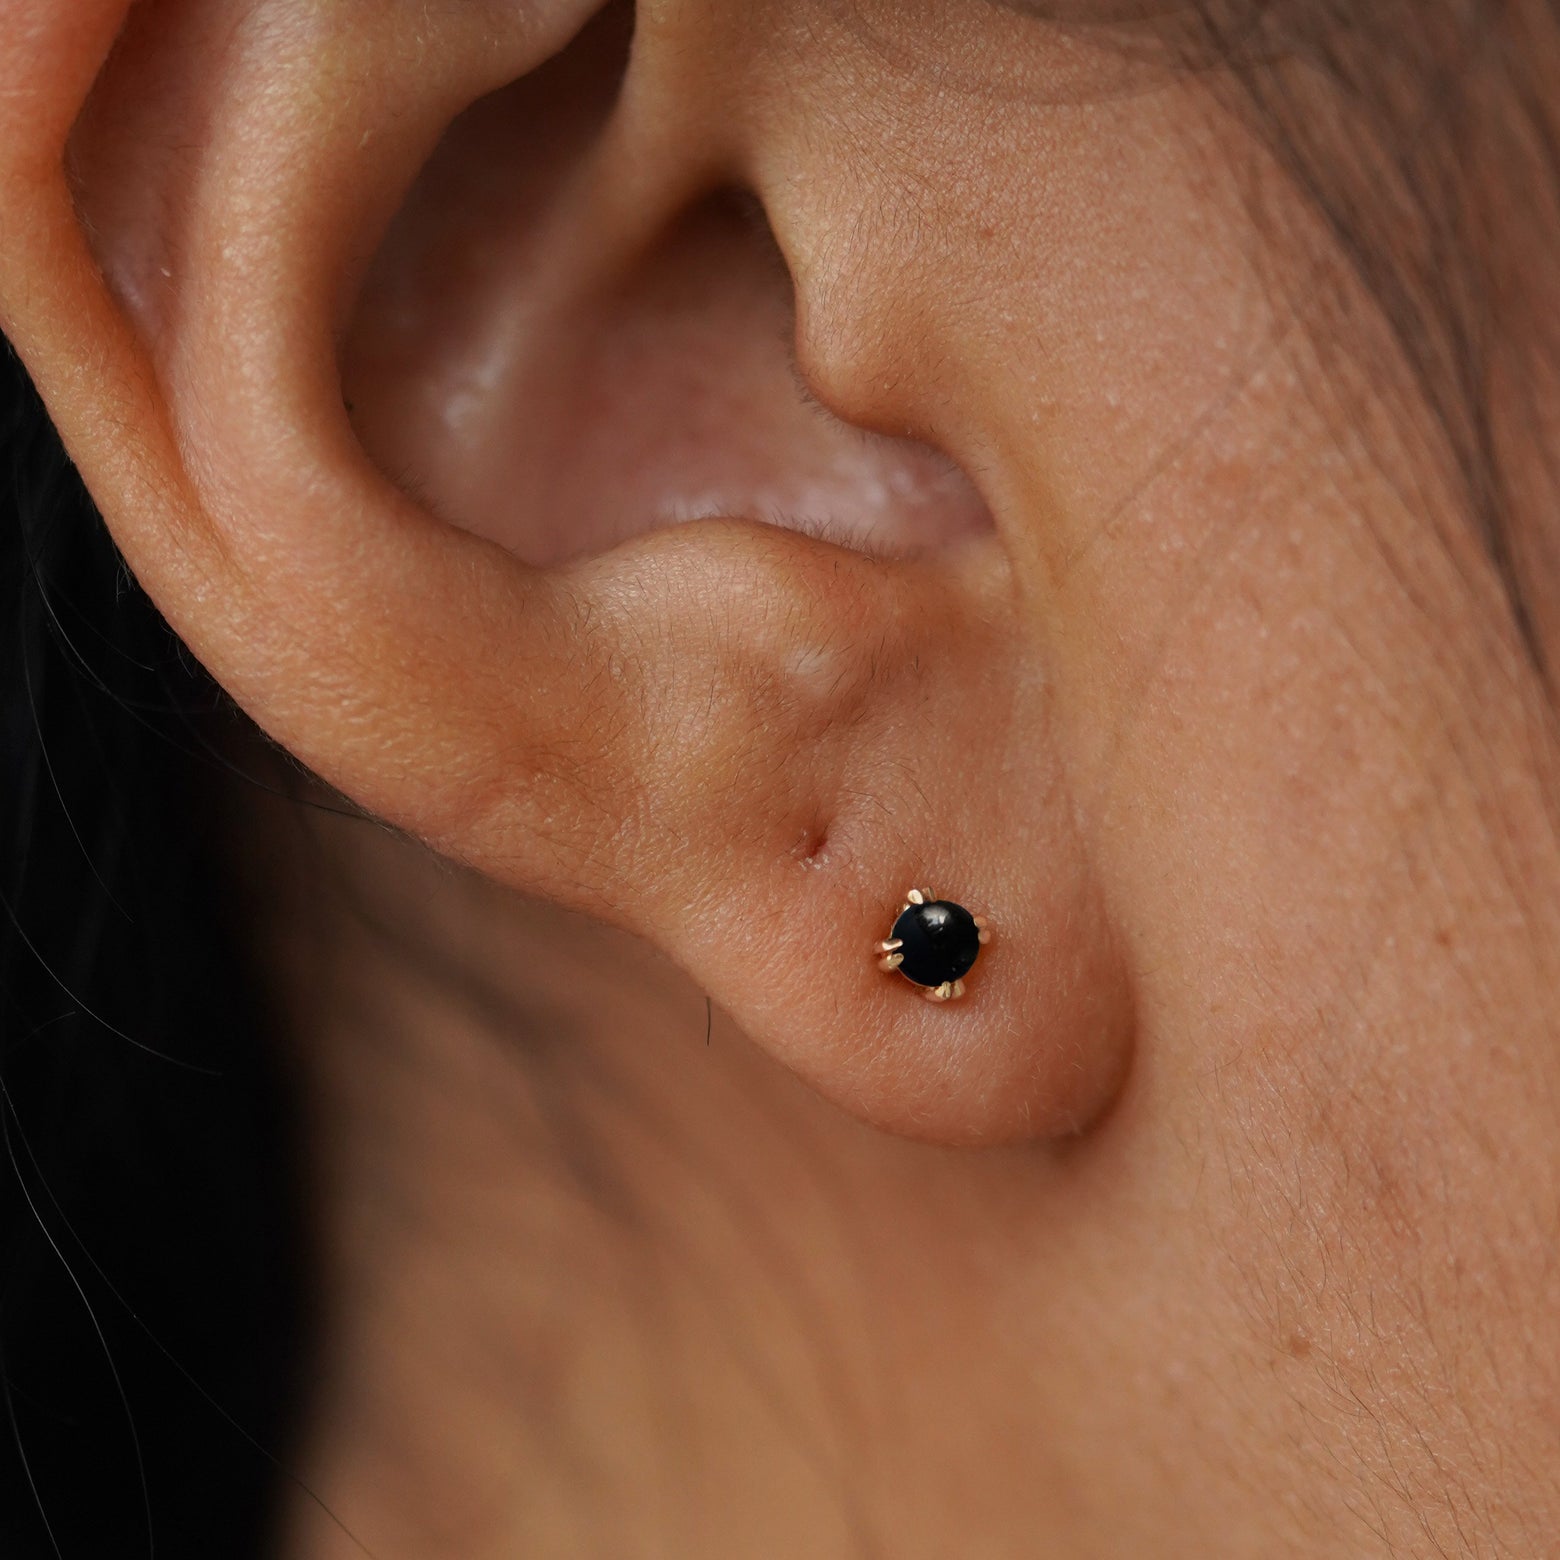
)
(739, 740)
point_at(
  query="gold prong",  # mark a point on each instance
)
(891, 961)
(985, 936)
(979, 920)
(916, 897)
(957, 992)
(939, 993)
(893, 945)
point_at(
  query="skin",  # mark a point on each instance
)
(966, 504)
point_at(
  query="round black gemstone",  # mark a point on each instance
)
(941, 942)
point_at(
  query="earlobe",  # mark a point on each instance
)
(742, 741)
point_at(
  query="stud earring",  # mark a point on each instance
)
(935, 944)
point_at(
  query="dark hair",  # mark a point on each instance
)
(151, 1315)
(150, 1235)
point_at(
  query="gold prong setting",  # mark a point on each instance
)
(934, 944)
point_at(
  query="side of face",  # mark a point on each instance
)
(966, 504)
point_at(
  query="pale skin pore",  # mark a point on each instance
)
(1218, 1218)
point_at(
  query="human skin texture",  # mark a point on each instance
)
(702, 484)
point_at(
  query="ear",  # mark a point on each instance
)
(743, 741)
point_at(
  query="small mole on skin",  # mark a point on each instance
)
(1298, 1346)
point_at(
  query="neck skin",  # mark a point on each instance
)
(598, 1285)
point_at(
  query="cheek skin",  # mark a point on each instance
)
(1288, 707)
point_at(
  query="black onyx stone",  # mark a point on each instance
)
(941, 942)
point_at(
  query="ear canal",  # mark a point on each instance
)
(741, 740)
(558, 370)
